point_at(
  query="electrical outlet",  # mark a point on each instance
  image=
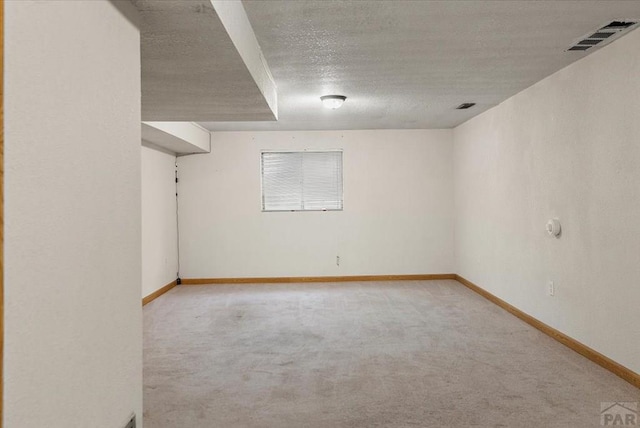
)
(551, 290)
(337, 260)
(132, 422)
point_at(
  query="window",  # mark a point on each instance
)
(302, 181)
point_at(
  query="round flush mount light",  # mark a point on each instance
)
(332, 101)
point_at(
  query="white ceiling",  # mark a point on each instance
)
(194, 66)
(408, 64)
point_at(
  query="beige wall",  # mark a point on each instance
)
(566, 147)
(397, 216)
(73, 325)
(159, 232)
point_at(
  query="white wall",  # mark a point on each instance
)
(73, 324)
(159, 230)
(397, 216)
(567, 147)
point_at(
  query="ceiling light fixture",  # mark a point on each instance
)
(333, 101)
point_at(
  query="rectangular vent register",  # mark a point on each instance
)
(603, 35)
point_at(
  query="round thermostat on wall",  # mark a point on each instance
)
(553, 227)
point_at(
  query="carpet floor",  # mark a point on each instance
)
(374, 354)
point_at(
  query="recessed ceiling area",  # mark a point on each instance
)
(200, 61)
(409, 64)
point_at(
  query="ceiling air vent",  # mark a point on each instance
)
(465, 106)
(603, 35)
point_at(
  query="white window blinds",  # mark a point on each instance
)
(302, 181)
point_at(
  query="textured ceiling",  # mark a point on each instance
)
(191, 68)
(408, 64)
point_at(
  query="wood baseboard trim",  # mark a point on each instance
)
(293, 279)
(1, 210)
(153, 296)
(605, 362)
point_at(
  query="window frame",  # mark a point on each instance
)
(262, 204)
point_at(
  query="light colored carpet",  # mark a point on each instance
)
(374, 354)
